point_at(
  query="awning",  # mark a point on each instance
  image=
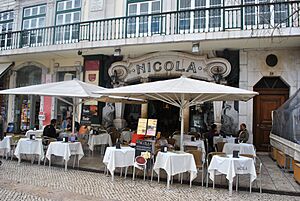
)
(4, 68)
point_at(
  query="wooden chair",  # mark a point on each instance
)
(188, 148)
(114, 136)
(208, 159)
(171, 141)
(219, 146)
(258, 168)
(198, 160)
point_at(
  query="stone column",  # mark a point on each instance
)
(119, 122)
(144, 107)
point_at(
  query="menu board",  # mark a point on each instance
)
(151, 127)
(142, 126)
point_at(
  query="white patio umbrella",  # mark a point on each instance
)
(181, 92)
(75, 89)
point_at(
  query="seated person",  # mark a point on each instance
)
(243, 134)
(69, 125)
(210, 137)
(50, 130)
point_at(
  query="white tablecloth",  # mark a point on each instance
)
(37, 133)
(231, 167)
(230, 139)
(5, 145)
(98, 140)
(175, 163)
(198, 143)
(65, 150)
(27, 146)
(123, 157)
(243, 148)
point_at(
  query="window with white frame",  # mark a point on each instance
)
(144, 23)
(6, 26)
(198, 19)
(264, 13)
(68, 12)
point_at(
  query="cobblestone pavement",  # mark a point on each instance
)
(33, 182)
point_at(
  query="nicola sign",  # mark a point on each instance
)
(168, 64)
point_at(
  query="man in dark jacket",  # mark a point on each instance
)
(50, 130)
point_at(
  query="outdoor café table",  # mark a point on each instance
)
(100, 139)
(231, 167)
(219, 138)
(37, 133)
(243, 148)
(174, 163)
(230, 139)
(27, 146)
(114, 158)
(65, 150)
(5, 145)
(185, 137)
(197, 143)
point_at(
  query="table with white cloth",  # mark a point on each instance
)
(5, 145)
(37, 133)
(65, 150)
(197, 143)
(114, 158)
(231, 167)
(243, 148)
(101, 139)
(32, 147)
(175, 163)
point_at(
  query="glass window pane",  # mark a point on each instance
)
(60, 19)
(60, 6)
(156, 7)
(185, 4)
(200, 3)
(77, 4)
(132, 9)
(68, 5)
(11, 15)
(34, 11)
(27, 12)
(68, 18)
(41, 22)
(76, 17)
(42, 9)
(144, 8)
(26, 24)
(33, 23)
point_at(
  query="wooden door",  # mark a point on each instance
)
(264, 104)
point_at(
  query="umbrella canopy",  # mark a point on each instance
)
(181, 92)
(71, 88)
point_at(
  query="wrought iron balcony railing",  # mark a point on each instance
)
(214, 19)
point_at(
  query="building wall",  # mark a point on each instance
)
(253, 67)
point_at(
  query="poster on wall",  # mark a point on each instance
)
(142, 126)
(151, 127)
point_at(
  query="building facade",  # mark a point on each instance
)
(251, 44)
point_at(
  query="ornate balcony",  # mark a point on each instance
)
(269, 16)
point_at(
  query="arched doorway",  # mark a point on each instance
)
(273, 92)
(27, 107)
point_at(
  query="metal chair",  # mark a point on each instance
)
(198, 160)
(258, 168)
(208, 159)
(141, 164)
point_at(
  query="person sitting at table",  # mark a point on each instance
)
(50, 130)
(69, 125)
(210, 137)
(243, 134)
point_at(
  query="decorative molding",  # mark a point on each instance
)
(169, 64)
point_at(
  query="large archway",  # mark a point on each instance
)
(273, 92)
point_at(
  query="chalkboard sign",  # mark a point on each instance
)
(143, 146)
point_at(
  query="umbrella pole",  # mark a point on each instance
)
(73, 116)
(182, 122)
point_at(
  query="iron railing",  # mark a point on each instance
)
(215, 19)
